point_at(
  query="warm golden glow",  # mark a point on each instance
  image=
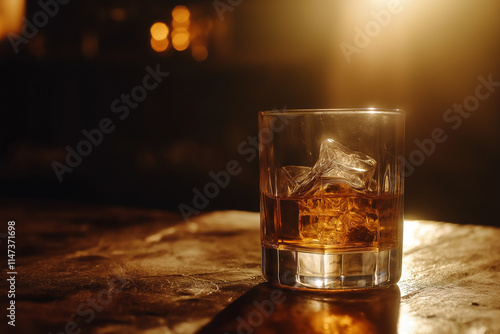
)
(159, 31)
(380, 3)
(11, 13)
(325, 322)
(180, 14)
(118, 14)
(159, 45)
(199, 52)
(180, 40)
(90, 45)
(408, 321)
(180, 25)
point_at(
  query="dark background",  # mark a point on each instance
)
(262, 55)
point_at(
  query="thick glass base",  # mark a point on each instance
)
(310, 270)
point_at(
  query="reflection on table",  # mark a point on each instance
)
(270, 309)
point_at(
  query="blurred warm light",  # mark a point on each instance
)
(325, 322)
(366, 31)
(199, 52)
(180, 40)
(90, 45)
(118, 14)
(159, 31)
(37, 45)
(180, 14)
(159, 45)
(419, 233)
(380, 3)
(409, 322)
(180, 25)
(11, 14)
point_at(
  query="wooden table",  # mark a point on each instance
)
(107, 269)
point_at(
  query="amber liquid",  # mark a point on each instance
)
(332, 223)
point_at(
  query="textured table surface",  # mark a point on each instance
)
(104, 269)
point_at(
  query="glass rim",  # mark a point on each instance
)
(311, 111)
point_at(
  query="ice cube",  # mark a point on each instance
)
(338, 170)
(294, 178)
(337, 162)
(301, 181)
(335, 185)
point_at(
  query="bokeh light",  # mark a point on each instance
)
(180, 40)
(181, 14)
(11, 14)
(118, 14)
(199, 52)
(159, 31)
(159, 45)
(90, 45)
(180, 25)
